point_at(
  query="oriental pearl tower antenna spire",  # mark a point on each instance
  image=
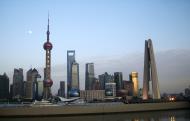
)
(47, 70)
(48, 33)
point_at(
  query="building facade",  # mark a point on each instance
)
(118, 79)
(75, 76)
(92, 95)
(129, 87)
(29, 85)
(61, 91)
(18, 90)
(105, 78)
(89, 76)
(70, 61)
(150, 72)
(39, 90)
(110, 90)
(11, 91)
(4, 86)
(96, 85)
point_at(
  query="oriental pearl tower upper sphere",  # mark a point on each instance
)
(47, 70)
(48, 46)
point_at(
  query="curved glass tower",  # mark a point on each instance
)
(150, 72)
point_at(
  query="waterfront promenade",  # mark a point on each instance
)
(96, 108)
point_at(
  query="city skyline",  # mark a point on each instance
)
(109, 45)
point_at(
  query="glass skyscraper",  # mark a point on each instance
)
(118, 79)
(18, 90)
(39, 90)
(75, 76)
(72, 75)
(150, 72)
(89, 76)
(70, 60)
(31, 84)
(61, 91)
(4, 86)
(75, 80)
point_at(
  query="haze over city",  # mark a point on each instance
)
(110, 34)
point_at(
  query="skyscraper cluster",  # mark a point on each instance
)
(114, 85)
(111, 85)
(89, 76)
(31, 89)
(105, 86)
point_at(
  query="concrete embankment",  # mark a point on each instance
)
(90, 109)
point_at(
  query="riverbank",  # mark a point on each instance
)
(95, 108)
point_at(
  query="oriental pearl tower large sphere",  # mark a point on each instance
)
(47, 70)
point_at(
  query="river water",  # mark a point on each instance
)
(170, 115)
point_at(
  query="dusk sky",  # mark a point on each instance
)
(110, 33)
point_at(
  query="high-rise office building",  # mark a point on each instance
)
(118, 79)
(96, 84)
(89, 76)
(134, 78)
(29, 90)
(18, 83)
(102, 81)
(28, 86)
(61, 91)
(129, 87)
(105, 78)
(74, 92)
(31, 84)
(47, 70)
(4, 86)
(75, 76)
(11, 91)
(39, 89)
(29, 75)
(150, 72)
(70, 61)
(24, 89)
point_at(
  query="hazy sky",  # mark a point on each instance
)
(93, 28)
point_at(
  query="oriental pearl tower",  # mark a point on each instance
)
(47, 70)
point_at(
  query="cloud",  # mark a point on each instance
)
(29, 32)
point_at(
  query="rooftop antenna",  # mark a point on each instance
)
(48, 33)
